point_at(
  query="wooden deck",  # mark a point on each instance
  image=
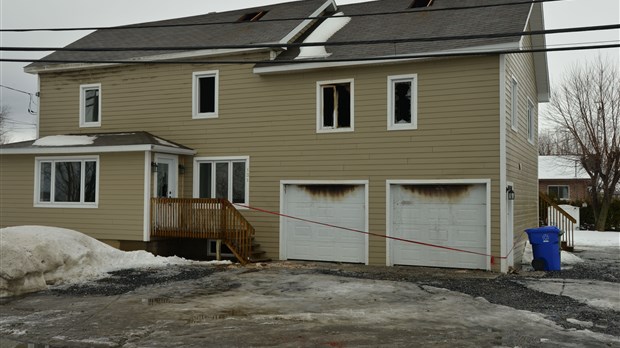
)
(206, 218)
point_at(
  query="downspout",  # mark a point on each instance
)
(504, 243)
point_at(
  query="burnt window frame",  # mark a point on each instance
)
(51, 201)
(196, 76)
(391, 99)
(84, 104)
(320, 86)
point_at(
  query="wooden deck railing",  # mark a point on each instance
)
(208, 218)
(549, 213)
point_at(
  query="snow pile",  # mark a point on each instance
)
(65, 140)
(31, 257)
(321, 34)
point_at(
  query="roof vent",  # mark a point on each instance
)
(252, 17)
(421, 3)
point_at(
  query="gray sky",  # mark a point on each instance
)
(89, 13)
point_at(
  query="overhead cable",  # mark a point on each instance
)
(412, 10)
(309, 44)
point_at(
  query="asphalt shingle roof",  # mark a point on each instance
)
(413, 23)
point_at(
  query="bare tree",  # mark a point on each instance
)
(587, 107)
(4, 114)
(556, 142)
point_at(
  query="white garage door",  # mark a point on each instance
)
(339, 205)
(453, 216)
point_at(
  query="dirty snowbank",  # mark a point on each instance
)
(31, 257)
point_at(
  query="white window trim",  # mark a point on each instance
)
(531, 110)
(560, 198)
(51, 204)
(514, 104)
(319, 107)
(83, 88)
(195, 99)
(196, 179)
(391, 80)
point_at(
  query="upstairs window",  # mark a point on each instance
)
(530, 121)
(335, 106)
(90, 105)
(402, 102)
(514, 104)
(205, 94)
(66, 182)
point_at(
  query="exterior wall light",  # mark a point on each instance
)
(510, 193)
(181, 169)
(154, 167)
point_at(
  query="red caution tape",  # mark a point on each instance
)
(379, 235)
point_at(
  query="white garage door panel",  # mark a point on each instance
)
(307, 241)
(451, 218)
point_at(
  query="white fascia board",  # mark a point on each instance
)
(485, 50)
(97, 149)
(145, 59)
(541, 66)
(298, 29)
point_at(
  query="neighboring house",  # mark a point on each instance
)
(563, 178)
(419, 148)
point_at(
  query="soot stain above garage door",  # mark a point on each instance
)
(451, 191)
(335, 192)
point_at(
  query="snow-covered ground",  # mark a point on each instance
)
(32, 257)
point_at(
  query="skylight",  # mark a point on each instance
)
(421, 3)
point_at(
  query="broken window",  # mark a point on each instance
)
(205, 94)
(336, 110)
(252, 16)
(420, 3)
(402, 94)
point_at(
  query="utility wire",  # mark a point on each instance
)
(310, 44)
(17, 90)
(333, 60)
(412, 10)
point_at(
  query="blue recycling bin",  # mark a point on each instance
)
(545, 247)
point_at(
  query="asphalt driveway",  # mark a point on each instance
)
(300, 304)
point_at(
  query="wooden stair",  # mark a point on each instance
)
(549, 213)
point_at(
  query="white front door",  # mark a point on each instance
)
(165, 184)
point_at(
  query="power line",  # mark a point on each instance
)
(333, 60)
(17, 90)
(310, 44)
(416, 10)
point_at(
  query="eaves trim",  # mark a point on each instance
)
(97, 149)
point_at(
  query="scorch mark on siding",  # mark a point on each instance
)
(335, 192)
(449, 191)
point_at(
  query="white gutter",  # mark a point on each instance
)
(97, 149)
(285, 68)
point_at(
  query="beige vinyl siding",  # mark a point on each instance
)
(521, 155)
(272, 119)
(119, 214)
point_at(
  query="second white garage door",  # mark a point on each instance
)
(449, 215)
(335, 204)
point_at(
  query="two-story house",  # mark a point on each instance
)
(414, 121)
